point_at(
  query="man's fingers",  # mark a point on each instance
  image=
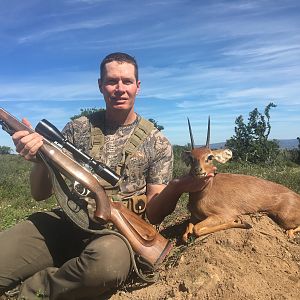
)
(28, 145)
(26, 122)
(26, 140)
(210, 175)
(31, 154)
(18, 135)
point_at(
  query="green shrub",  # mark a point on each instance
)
(5, 150)
(179, 167)
(250, 142)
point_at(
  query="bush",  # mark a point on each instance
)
(5, 150)
(250, 142)
(179, 167)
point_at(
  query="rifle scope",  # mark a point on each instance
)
(51, 133)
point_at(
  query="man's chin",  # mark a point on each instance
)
(119, 103)
(120, 106)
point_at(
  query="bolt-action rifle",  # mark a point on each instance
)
(76, 165)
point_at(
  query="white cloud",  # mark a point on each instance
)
(221, 58)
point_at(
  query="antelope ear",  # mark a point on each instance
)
(186, 157)
(222, 156)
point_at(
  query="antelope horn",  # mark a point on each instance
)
(191, 135)
(208, 133)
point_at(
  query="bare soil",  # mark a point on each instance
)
(260, 263)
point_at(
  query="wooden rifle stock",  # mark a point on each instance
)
(142, 236)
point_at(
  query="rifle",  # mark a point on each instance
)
(142, 237)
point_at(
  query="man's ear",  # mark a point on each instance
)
(186, 156)
(222, 156)
(138, 84)
(100, 85)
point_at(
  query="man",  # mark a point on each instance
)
(46, 252)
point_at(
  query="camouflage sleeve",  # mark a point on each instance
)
(161, 164)
(68, 132)
(78, 133)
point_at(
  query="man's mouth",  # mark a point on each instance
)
(118, 99)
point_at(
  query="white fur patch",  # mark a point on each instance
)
(222, 156)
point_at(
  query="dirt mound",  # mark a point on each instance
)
(259, 263)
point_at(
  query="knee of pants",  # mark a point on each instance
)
(23, 252)
(106, 260)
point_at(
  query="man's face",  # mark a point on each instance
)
(119, 86)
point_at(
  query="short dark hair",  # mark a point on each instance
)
(119, 57)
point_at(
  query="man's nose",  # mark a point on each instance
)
(120, 87)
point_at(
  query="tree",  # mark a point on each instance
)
(5, 150)
(159, 127)
(87, 111)
(250, 142)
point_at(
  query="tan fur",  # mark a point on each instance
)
(227, 196)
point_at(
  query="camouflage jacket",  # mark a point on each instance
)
(151, 163)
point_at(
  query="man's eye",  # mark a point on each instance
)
(128, 82)
(111, 82)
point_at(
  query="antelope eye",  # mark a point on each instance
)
(210, 157)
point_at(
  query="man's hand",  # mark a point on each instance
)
(27, 144)
(163, 199)
(190, 184)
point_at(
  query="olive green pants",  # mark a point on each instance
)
(54, 260)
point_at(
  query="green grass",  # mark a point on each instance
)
(285, 173)
(16, 202)
(15, 199)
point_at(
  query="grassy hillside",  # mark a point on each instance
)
(16, 202)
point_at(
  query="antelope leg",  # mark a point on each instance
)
(291, 232)
(188, 231)
(189, 228)
(216, 223)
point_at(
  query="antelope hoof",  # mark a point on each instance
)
(185, 238)
(247, 225)
(238, 223)
(290, 233)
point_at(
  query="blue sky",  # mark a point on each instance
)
(196, 58)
